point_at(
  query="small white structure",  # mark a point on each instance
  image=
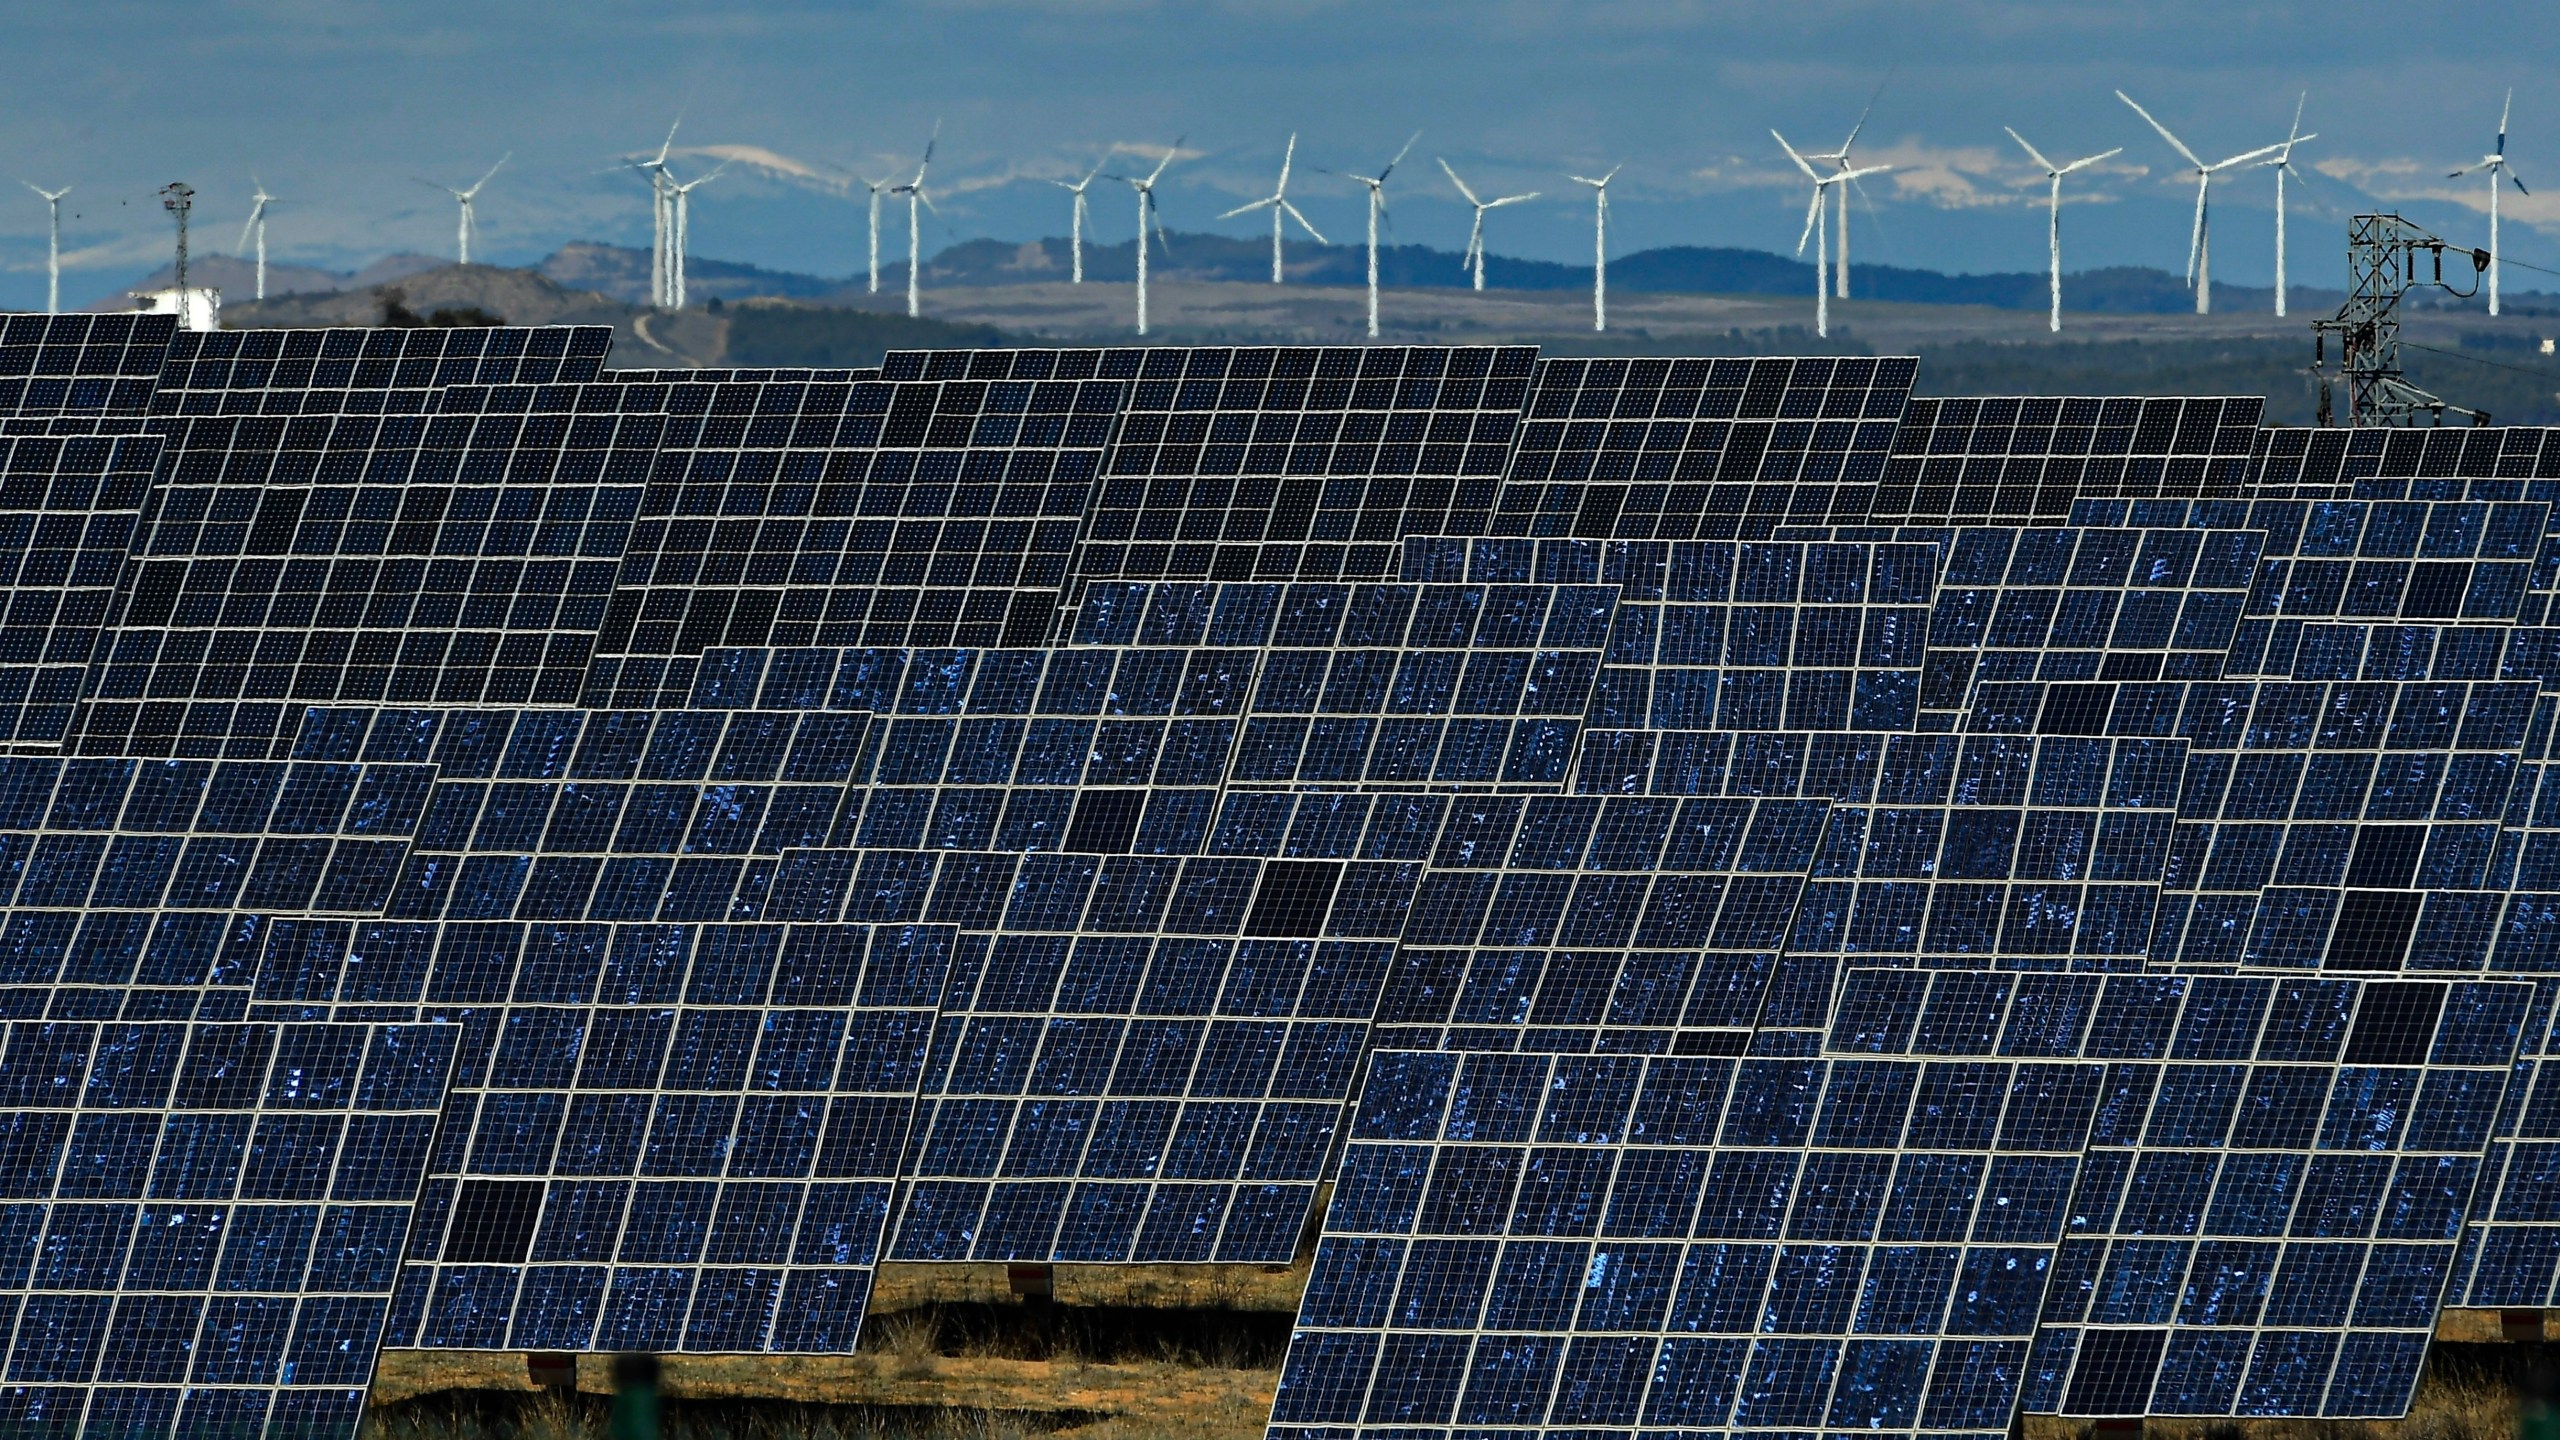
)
(202, 309)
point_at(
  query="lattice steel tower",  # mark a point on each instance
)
(2382, 264)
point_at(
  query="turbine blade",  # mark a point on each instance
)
(2511, 175)
(1400, 154)
(2086, 160)
(1509, 200)
(1812, 217)
(1264, 204)
(1870, 110)
(2258, 154)
(2032, 152)
(1791, 154)
(1454, 180)
(1286, 157)
(2502, 119)
(2174, 142)
(1302, 223)
(1856, 174)
(484, 179)
(1170, 151)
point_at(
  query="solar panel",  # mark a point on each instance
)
(81, 365)
(1741, 636)
(458, 557)
(67, 513)
(1298, 463)
(2274, 1187)
(1566, 923)
(364, 372)
(1701, 449)
(203, 1221)
(2023, 459)
(875, 514)
(1578, 1244)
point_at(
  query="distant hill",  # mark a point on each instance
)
(623, 273)
(237, 278)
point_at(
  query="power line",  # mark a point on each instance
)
(2476, 360)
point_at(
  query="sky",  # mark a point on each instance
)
(344, 109)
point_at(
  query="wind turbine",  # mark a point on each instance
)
(914, 191)
(1818, 232)
(1277, 202)
(464, 226)
(53, 245)
(1075, 240)
(675, 251)
(1377, 206)
(2053, 222)
(2282, 164)
(258, 225)
(2199, 243)
(1600, 244)
(1839, 160)
(2495, 162)
(656, 169)
(1475, 235)
(1147, 216)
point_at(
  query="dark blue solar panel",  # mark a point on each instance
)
(1547, 1244)
(203, 1222)
(2274, 1188)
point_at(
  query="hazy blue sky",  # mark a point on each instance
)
(340, 106)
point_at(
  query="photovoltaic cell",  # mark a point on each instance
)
(2025, 459)
(67, 512)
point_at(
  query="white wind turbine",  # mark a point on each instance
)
(914, 191)
(2495, 162)
(466, 225)
(680, 194)
(257, 224)
(660, 287)
(1600, 244)
(1839, 160)
(53, 244)
(2282, 164)
(2199, 243)
(1075, 236)
(1377, 206)
(1818, 232)
(1475, 235)
(1149, 219)
(1277, 202)
(2053, 221)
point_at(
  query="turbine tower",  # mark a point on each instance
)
(2053, 220)
(875, 187)
(2495, 162)
(2199, 243)
(53, 245)
(1475, 234)
(1600, 244)
(1377, 206)
(1075, 236)
(675, 250)
(464, 226)
(258, 225)
(2282, 164)
(1147, 217)
(1818, 232)
(914, 191)
(1277, 202)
